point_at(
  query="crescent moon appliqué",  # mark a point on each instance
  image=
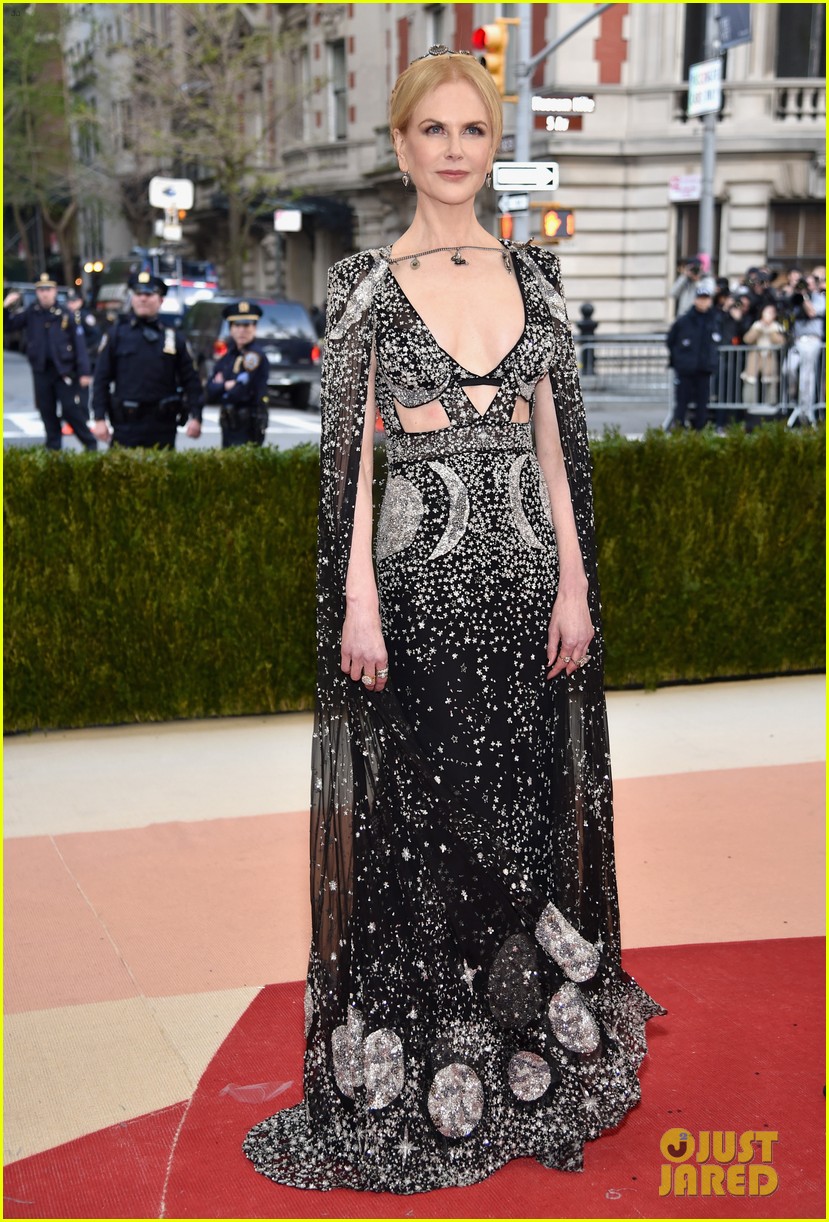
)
(458, 509)
(522, 525)
(400, 517)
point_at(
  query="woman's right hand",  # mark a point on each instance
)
(363, 649)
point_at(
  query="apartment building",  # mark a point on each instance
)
(628, 169)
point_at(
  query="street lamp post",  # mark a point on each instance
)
(526, 66)
(709, 149)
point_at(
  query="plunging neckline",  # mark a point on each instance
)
(448, 355)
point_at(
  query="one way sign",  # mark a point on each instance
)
(525, 175)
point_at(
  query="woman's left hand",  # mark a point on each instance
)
(570, 633)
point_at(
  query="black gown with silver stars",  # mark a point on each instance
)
(465, 1002)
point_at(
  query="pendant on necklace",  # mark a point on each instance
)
(458, 259)
(415, 263)
(508, 263)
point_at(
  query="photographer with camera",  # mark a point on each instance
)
(684, 291)
(760, 293)
(807, 323)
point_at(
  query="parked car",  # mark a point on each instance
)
(16, 340)
(285, 332)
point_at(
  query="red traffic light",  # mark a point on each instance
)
(492, 40)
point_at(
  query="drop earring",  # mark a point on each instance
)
(405, 178)
(488, 179)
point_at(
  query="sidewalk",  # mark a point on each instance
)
(157, 880)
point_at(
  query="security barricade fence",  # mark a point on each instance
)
(621, 368)
(750, 381)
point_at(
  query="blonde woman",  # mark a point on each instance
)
(465, 1001)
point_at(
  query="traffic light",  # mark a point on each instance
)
(492, 40)
(506, 225)
(558, 223)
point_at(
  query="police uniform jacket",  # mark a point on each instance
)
(87, 329)
(248, 367)
(693, 341)
(146, 362)
(51, 338)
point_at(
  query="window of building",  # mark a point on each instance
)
(298, 77)
(693, 49)
(122, 124)
(801, 47)
(337, 87)
(797, 232)
(435, 24)
(687, 234)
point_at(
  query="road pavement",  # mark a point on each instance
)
(288, 426)
(22, 425)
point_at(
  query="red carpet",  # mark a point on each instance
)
(741, 1049)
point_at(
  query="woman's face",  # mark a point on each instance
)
(243, 333)
(447, 145)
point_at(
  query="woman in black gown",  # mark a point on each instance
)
(465, 1002)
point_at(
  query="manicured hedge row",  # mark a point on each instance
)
(142, 587)
(711, 554)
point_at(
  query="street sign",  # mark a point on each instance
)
(171, 193)
(569, 104)
(287, 220)
(514, 203)
(525, 175)
(735, 24)
(168, 231)
(684, 188)
(705, 87)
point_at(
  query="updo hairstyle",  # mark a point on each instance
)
(427, 73)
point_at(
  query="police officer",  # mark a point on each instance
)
(87, 330)
(59, 361)
(145, 379)
(240, 379)
(693, 342)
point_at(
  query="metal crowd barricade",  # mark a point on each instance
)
(750, 382)
(623, 367)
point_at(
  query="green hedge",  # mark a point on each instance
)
(143, 587)
(711, 554)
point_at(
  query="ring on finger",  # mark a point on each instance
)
(368, 680)
(383, 673)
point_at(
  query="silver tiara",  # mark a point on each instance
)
(439, 49)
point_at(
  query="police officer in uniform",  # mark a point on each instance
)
(59, 360)
(240, 379)
(145, 379)
(693, 344)
(87, 330)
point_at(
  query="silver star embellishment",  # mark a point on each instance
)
(406, 1147)
(468, 974)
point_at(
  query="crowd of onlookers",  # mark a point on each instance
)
(758, 342)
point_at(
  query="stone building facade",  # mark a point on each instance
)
(627, 170)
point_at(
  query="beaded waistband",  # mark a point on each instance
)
(421, 447)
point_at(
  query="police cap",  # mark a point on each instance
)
(45, 281)
(146, 282)
(242, 311)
